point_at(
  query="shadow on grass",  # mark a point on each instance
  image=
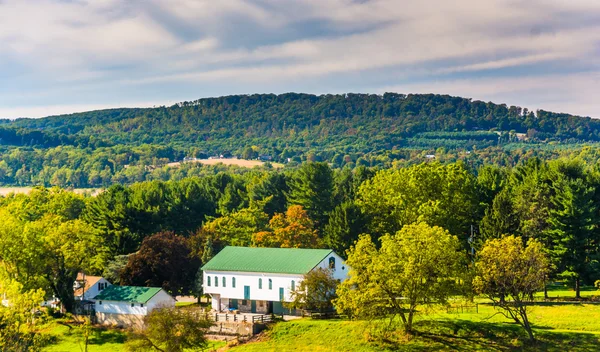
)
(102, 336)
(464, 335)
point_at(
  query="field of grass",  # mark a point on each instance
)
(231, 161)
(67, 339)
(558, 327)
(4, 191)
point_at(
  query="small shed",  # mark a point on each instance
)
(126, 306)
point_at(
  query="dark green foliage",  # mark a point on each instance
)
(346, 223)
(312, 188)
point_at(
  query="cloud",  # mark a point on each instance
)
(103, 52)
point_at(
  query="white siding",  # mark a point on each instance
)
(94, 290)
(161, 299)
(341, 269)
(118, 307)
(250, 279)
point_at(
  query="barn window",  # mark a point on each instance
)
(233, 282)
(224, 282)
(208, 282)
(331, 263)
(216, 281)
(142, 305)
(270, 284)
(132, 305)
(260, 283)
(293, 285)
(100, 302)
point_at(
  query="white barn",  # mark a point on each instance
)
(128, 305)
(259, 280)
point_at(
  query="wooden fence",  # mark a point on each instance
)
(474, 308)
(226, 317)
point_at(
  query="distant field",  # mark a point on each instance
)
(237, 162)
(7, 190)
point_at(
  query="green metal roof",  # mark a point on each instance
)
(127, 293)
(267, 260)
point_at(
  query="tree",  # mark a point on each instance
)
(500, 218)
(43, 243)
(164, 260)
(442, 195)
(573, 234)
(416, 266)
(346, 223)
(311, 187)
(237, 229)
(169, 330)
(294, 229)
(316, 291)
(112, 269)
(18, 331)
(509, 273)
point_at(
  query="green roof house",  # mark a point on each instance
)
(259, 280)
(127, 305)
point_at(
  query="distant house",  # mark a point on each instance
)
(259, 280)
(87, 287)
(128, 305)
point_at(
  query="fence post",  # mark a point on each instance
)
(216, 316)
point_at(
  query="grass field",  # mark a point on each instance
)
(8, 190)
(558, 327)
(232, 161)
(102, 340)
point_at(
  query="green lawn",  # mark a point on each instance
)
(558, 327)
(102, 340)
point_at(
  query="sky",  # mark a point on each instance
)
(63, 56)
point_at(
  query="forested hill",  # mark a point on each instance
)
(365, 122)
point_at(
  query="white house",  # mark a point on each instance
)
(259, 280)
(87, 287)
(128, 305)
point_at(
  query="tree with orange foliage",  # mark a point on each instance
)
(294, 229)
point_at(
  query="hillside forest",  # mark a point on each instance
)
(158, 233)
(124, 146)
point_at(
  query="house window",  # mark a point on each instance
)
(233, 282)
(260, 284)
(332, 263)
(224, 282)
(270, 284)
(293, 285)
(208, 282)
(216, 281)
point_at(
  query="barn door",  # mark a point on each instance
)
(246, 292)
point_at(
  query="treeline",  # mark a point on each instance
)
(134, 234)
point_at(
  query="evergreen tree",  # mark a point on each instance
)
(312, 188)
(500, 218)
(346, 223)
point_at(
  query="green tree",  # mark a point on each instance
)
(311, 186)
(509, 273)
(442, 195)
(18, 323)
(316, 291)
(500, 219)
(416, 266)
(170, 330)
(573, 234)
(346, 223)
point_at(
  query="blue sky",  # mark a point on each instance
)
(61, 56)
